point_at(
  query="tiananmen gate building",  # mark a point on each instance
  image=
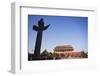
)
(66, 51)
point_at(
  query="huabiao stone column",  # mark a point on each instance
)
(39, 29)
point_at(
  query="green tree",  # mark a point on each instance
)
(44, 55)
(50, 55)
(84, 54)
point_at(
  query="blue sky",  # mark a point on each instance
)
(63, 30)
